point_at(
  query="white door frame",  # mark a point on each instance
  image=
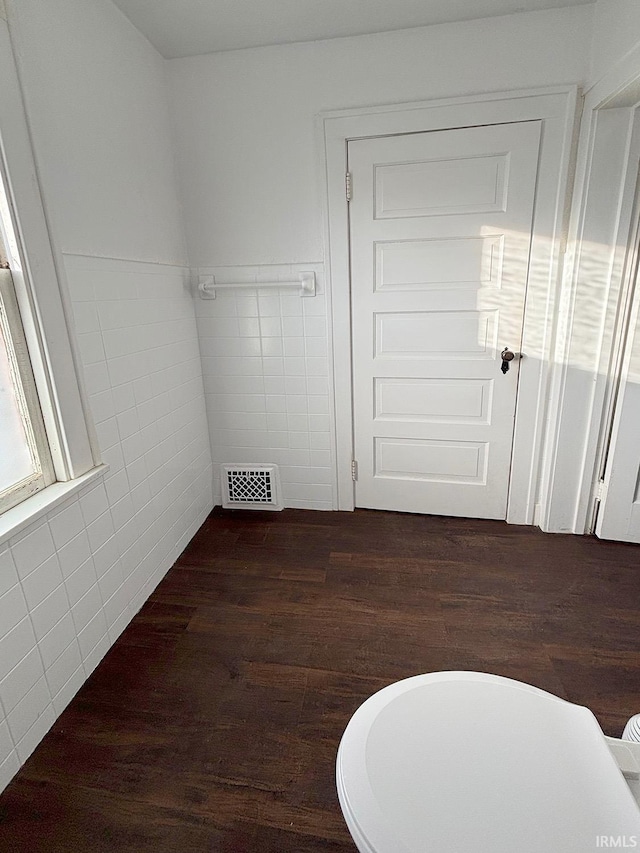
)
(557, 109)
(601, 215)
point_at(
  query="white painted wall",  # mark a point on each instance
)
(244, 124)
(244, 120)
(616, 31)
(96, 99)
(69, 584)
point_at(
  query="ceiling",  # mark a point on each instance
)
(190, 27)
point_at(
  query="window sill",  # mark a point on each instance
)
(16, 519)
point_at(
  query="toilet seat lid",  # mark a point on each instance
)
(470, 762)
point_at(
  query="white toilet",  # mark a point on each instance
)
(465, 762)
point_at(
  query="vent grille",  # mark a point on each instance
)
(250, 487)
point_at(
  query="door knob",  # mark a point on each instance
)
(507, 356)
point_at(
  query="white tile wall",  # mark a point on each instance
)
(70, 583)
(265, 371)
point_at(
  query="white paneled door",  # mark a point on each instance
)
(440, 229)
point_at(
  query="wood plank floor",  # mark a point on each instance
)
(213, 723)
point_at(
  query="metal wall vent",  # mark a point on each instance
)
(251, 487)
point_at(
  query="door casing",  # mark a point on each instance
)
(557, 108)
(604, 190)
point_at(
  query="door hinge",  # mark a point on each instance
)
(601, 492)
(347, 185)
(354, 470)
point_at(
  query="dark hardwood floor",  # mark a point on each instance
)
(213, 723)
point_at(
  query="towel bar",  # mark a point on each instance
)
(306, 282)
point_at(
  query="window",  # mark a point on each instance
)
(25, 460)
(46, 433)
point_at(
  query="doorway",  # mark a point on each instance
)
(617, 508)
(539, 220)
